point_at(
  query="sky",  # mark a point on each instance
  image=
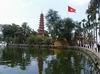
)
(19, 11)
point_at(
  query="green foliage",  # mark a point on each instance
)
(68, 27)
(53, 22)
(9, 32)
(59, 28)
(31, 39)
(26, 29)
(38, 39)
(16, 34)
(47, 40)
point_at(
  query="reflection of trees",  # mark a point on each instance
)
(14, 57)
(68, 62)
(1, 53)
(56, 62)
(52, 67)
(35, 52)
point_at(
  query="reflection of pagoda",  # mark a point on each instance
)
(41, 25)
(40, 63)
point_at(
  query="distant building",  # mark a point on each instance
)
(41, 25)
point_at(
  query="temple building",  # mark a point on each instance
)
(41, 25)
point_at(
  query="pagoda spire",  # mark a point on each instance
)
(41, 25)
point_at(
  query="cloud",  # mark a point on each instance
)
(82, 2)
(79, 2)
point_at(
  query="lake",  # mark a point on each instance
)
(45, 61)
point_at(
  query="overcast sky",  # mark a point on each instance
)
(19, 11)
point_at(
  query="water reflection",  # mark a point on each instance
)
(45, 61)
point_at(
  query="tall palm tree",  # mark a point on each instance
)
(84, 28)
(93, 9)
(78, 37)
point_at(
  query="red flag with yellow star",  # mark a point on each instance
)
(71, 9)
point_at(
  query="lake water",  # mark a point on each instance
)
(45, 61)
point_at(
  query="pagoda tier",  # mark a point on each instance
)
(41, 25)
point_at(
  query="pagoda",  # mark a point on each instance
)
(41, 25)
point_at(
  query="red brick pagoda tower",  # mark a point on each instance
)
(41, 25)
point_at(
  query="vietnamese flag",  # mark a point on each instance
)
(71, 9)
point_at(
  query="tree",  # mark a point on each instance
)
(53, 18)
(67, 28)
(31, 39)
(8, 33)
(26, 29)
(59, 28)
(16, 34)
(92, 11)
(78, 34)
